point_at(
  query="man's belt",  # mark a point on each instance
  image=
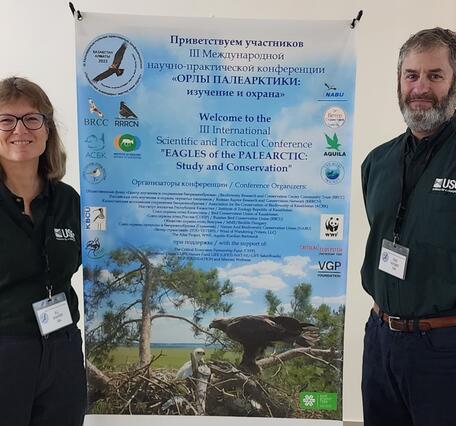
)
(425, 324)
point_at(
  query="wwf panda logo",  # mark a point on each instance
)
(332, 224)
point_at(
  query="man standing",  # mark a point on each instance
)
(409, 187)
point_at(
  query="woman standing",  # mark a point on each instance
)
(42, 377)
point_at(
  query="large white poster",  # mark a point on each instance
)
(215, 176)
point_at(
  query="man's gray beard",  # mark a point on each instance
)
(429, 120)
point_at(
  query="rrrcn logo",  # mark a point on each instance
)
(444, 185)
(65, 234)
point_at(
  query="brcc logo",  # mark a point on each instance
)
(331, 226)
(127, 142)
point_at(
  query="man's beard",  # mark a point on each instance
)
(428, 120)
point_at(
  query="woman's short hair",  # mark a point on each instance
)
(52, 164)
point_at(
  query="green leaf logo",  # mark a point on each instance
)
(333, 142)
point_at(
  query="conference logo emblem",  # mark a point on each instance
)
(112, 65)
(127, 142)
(332, 172)
(94, 173)
(335, 117)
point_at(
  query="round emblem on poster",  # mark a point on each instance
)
(335, 117)
(113, 65)
(332, 172)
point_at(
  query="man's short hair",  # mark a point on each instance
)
(429, 39)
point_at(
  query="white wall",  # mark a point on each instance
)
(37, 42)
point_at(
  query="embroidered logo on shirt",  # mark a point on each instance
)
(444, 185)
(65, 234)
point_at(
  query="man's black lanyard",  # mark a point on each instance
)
(409, 179)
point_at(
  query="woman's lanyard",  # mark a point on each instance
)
(52, 313)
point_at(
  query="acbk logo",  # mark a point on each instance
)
(329, 265)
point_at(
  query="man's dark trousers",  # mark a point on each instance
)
(409, 378)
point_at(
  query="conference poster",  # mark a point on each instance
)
(215, 159)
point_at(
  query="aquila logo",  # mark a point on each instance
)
(331, 226)
(333, 146)
(64, 234)
(127, 142)
(444, 185)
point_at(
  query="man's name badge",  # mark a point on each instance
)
(393, 259)
(52, 314)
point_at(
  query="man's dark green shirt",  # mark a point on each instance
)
(428, 228)
(55, 231)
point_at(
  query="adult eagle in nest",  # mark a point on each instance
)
(256, 332)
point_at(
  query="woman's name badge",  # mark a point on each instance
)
(393, 259)
(52, 313)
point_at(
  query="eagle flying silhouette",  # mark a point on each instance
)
(114, 67)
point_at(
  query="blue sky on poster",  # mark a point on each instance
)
(164, 109)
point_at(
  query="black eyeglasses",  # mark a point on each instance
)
(32, 121)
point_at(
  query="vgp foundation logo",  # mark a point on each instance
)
(329, 268)
(444, 185)
(95, 218)
(113, 65)
(331, 226)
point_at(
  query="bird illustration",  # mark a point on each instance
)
(330, 87)
(100, 215)
(94, 109)
(96, 172)
(333, 142)
(114, 67)
(256, 332)
(186, 370)
(125, 111)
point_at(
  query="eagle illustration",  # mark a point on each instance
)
(114, 67)
(94, 109)
(256, 332)
(125, 111)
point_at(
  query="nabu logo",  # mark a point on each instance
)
(331, 226)
(64, 234)
(444, 185)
